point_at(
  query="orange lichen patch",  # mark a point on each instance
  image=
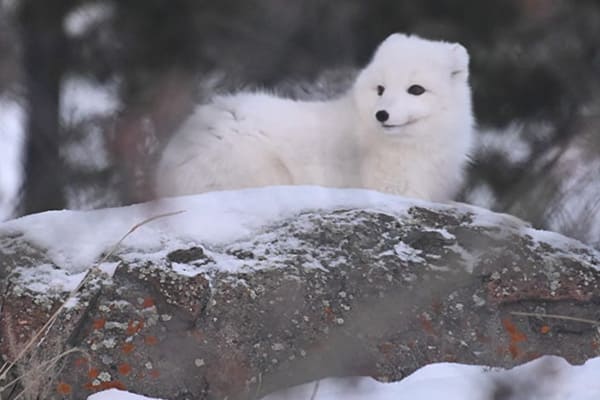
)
(426, 325)
(93, 373)
(124, 369)
(148, 302)
(64, 388)
(99, 323)
(151, 340)
(544, 329)
(515, 335)
(154, 373)
(127, 348)
(105, 386)
(134, 327)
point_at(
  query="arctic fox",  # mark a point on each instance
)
(405, 127)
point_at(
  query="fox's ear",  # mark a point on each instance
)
(460, 61)
(395, 37)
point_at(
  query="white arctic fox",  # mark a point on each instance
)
(405, 128)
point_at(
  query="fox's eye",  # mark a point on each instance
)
(416, 90)
(380, 90)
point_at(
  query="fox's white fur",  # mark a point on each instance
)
(258, 139)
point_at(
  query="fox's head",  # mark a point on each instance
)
(414, 87)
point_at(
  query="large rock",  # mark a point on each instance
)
(253, 291)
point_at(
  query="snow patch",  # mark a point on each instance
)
(226, 225)
(47, 278)
(88, 151)
(408, 253)
(109, 268)
(114, 394)
(74, 240)
(12, 133)
(82, 98)
(508, 142)
(81, 19)
(186, 269)
(442, 231)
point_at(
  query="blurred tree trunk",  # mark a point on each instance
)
(44, 52)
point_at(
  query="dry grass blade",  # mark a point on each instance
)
(134, 228)
(555, 316)
(94, 269)
(44, 366)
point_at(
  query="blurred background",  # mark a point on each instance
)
(90, 91)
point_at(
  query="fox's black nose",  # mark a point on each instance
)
(382, 115)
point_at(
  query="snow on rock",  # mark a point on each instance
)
(74, 240)
(408, 253)
(46, 277)
(248, 292)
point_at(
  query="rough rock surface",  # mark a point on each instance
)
(327, 293)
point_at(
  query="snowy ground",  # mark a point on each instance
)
(547, 378)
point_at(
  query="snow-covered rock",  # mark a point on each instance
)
(252, 291)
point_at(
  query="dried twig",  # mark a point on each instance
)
(555, 316)
(43, 367)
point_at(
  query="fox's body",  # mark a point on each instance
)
(405, 128)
